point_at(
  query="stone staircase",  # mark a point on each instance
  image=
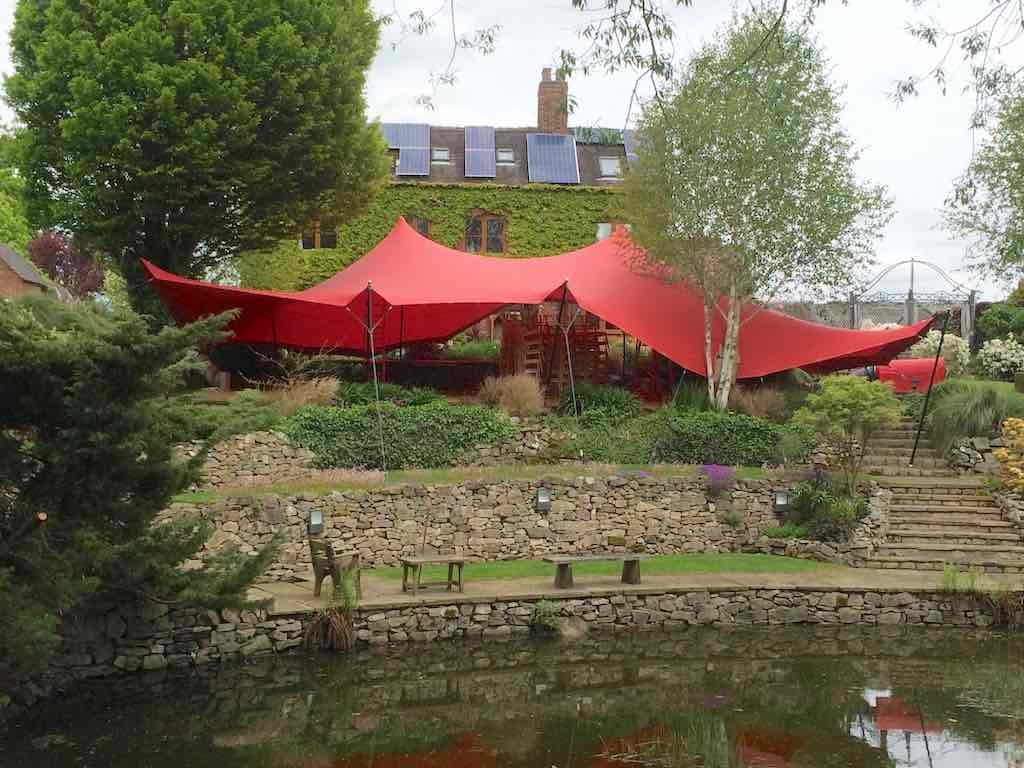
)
(937, 516)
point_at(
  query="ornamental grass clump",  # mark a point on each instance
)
(969, 408)
(518, 395)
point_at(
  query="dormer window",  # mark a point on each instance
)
(611, 167)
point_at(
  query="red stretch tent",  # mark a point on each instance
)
(410, 288)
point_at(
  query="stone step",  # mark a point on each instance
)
(938, 485)
(899, 434)
(896, 442)
(896, 470)
(952, 523)
(927, 536)
(904, 451)
(954, 553)
(898, 460)
(910, 504)
(939, 564)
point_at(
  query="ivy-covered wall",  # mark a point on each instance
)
(541, 220)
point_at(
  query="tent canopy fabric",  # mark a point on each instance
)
(410, 289)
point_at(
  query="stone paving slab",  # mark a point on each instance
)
(385, 594)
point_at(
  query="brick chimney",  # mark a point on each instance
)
(552, 104)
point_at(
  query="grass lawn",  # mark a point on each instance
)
(706, 562)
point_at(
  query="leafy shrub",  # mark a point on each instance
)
(622, 442)
(691, 397)
(183, 418)
(809, 499)
(971, 408)
(614, 403)
(849, 409)
(999, 321)
(796, 441)
(471, 349)
(761, 402)
(437, 434)
(1001, 358)
(732, 518)
(912, 403)
(837, 521)
(955, 351)
(712, 437)
(787, 531)
(718, 478)
(352, 393)
(519, 395)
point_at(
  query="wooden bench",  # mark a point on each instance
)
(413, 566)
(564, 564)
(327, 563)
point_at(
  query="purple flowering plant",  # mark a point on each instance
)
(718, 478)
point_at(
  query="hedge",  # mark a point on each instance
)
(541, 220)
(437, 434)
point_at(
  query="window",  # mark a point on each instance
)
(439, 155)
(420, 224)
(485, 233)
(318, 238)
(610, 167)
(604, 229)
(506, 157)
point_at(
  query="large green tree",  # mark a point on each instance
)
(85, 468)
(182, 131)
(987, 206)
(745, 182)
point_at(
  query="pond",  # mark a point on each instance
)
(852, 697)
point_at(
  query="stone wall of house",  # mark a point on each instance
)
(497, 520)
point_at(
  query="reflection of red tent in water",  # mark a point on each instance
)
(468, 750)
(894, 714)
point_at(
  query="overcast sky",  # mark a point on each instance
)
(916, 149)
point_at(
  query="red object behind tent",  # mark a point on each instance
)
(912, 375)
(410, 288)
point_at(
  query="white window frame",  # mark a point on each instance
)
(509, 156)
(610, 158)
(440, 155)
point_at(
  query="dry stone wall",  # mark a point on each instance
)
(498, 520)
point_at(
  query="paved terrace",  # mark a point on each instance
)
(384, 594)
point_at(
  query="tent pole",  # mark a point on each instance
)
(373, 368)
(401, 331)
(561, 311)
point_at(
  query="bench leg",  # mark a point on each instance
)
(563, 576)
(417, 569)
(318, 580)
(460, 576)
(630, 571)
(451, 573)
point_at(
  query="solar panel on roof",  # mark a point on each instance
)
(551, 158)
(413, 161)
(629, 143)
(400, 135)
(480, 162)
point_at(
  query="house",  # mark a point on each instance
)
(18, 276)
(528, 191)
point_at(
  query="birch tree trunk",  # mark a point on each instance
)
(709, 356)
(726, 374)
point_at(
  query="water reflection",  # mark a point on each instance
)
(708, 699)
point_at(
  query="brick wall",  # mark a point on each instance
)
(11, 285)
(552, 104)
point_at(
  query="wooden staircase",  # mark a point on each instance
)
(937, 517)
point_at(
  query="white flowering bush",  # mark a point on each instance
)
(1001, 358)
(955, 351)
